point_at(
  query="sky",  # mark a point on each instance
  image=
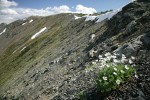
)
(11, 10)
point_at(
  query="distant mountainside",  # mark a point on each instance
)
(46, 58)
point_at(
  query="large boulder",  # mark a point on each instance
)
(131, 27)
(131, 48)
(146, 40)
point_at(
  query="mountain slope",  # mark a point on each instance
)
(23, 54)
(54, 64)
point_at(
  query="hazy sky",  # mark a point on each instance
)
(11, 10)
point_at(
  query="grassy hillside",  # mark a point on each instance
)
(13, 59)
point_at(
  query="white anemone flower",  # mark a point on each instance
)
(100, 56)
(93, 62)
(103, 62)
(100, 80)
(130, 61)
(97, 60)
(103, 65)
(116, 61)
(114, 73)
(100, 67)
(115, 69)
(123, 56)
(118, 81)
(108, 58)
(105, 59)
(107, 65)
(104, 78)
(126, 67)
(107, 54)
(133, 58)
(122, 71)
(136, 76)
(124, 60)
(114, 64)
(113, 56)
(134, 65)
(86, 71)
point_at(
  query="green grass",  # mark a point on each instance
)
(81, 15)
(35, 49)
(13, 63)
(110, 78)
(82, 96)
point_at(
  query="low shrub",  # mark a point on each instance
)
(109, 78)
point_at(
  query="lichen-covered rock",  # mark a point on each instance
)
(146, 40)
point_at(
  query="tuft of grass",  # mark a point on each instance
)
(82, 96)
(81, 15)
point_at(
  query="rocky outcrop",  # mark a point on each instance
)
(146, 40)
(2, 26)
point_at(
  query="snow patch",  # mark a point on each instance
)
(38, 33)
(24, 23)
(31, 21)
(76, 17)
(90, 18)
(22, 49)
(102, 17)
(14, 51)
(3, 31)
(108, 15)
